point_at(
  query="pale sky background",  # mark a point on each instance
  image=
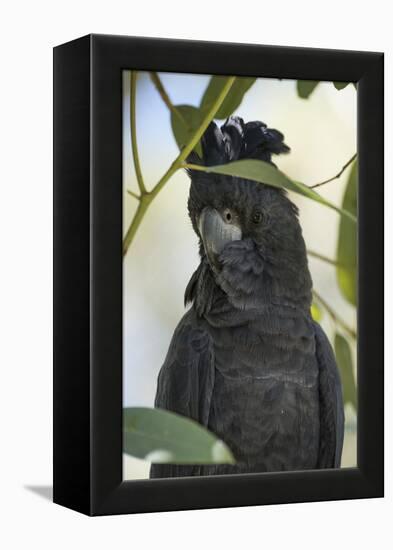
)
(321, 133)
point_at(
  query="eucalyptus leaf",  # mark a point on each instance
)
(264, 172)
(346, 270)
(316, 312)
(340, 85)
(161, 436)
(344, 360)
(185, 120)
(233, 99)
(306, 87)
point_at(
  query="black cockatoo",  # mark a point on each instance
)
(247, 360)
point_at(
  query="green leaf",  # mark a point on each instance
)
(161, 436)
(233, 99)
(264, 172)
(340, 85)
(344, 361)
(347, 242)
(316, 312)
(306, 87)
(185, 120)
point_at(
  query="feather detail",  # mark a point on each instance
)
(236, 140)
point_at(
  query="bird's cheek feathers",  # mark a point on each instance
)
(241, 272)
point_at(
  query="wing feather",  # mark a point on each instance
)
(331, 404)
(185, 383)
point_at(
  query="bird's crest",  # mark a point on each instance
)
(236, 140)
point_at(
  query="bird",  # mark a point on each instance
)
(247, 361)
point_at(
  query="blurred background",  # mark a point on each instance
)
(321, 132)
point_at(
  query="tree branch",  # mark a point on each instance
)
(147, 197)
(196, 136)
(134, 146)
(136, 220)
(337, 175)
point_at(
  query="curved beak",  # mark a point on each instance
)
(216, 233)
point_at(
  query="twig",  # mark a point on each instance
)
(135, 195)
(188, 166)
(196, 136)
(135, 155)
(337, 175)
(165, 97)
(323, 258)
(147, 197)
(334, 315)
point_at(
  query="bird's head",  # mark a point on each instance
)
(249, 232)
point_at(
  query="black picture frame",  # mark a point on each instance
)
(88, 275)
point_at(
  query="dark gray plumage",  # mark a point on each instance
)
(247, 361)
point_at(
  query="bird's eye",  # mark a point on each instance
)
(228, 216)
(257, 217)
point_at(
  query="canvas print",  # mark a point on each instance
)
(239, 275)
